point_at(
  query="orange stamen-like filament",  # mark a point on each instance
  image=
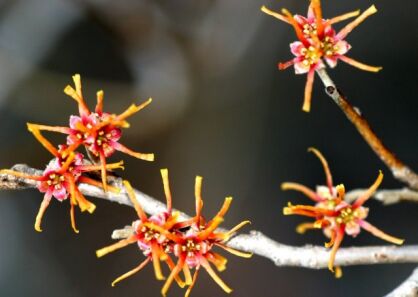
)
(63, 130)
(227, 235)
(296, 27)
(343, 17)
(46, 144)
(195, 275)
(174, 272)
(198, 198)
(124, 149)
(379, 233)
(360, 65)
(113, 247)
(77, 95)
(132, 110)
(166, 185)
(210, 228)
(303, 189)
(131, 272)
(274, 14)
(155, 253)
(42, 209)
(325, 166)
(316, 6)
(103, 170)
(87, 180)
(366, 195)
(349, 27)
(131, 194)
(99, 105)
(213, 274)
(22, 175)
(303, 227)
(308, 90)
(171, 265)
(337, 242)
(234, 251)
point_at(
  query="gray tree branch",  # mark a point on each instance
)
(282, 255)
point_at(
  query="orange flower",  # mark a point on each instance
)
(318, 41)
(154, 244)
(60, 179)
(190, 241)
(193, 243)
(98, 131)
(334, 215)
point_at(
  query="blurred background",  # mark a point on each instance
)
(222, 110)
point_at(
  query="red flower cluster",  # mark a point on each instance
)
(332, 214)
(318, 41)
(99, 132)
(165, 235)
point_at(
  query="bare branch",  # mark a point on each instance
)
(399, 169)
(282, 255)
(409, 288)
(387, 197)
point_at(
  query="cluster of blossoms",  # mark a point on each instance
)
(318, 41)
(99, 132)
(333, 214)
(191, 241)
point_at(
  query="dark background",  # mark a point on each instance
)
(222, 110)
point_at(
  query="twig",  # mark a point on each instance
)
(409, 288)
(282, 255)
(386, 196)
(399, 169)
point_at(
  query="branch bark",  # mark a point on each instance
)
(398, 168)
(409, 288)
(282, 255)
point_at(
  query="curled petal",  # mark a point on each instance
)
(342, 47)
(352, 228)
(332, 61)
(297, 48)
(300, 66)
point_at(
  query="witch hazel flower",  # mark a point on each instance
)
(61, 178)
(154, 244)
(193, 244)
(318, 41)
(332, 214)
(97, 130)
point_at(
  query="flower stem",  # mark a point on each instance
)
(398, 168)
